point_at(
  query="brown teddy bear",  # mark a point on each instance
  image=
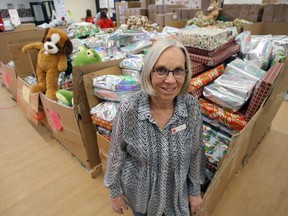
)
(213, 12)
(51, 60)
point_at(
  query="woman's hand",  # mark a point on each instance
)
(196, 204)
(119, 204)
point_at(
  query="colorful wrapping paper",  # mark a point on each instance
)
(204, 38)
(218, 125)
(111, 95)
(102, 123)
(206, 77)
(197, 92)
(235, 121)
(116, 83)
(198, 68)
(212, 52)
(263, 89)
(216, 144)
(216, 59)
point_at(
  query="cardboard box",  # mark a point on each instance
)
(160, 20)
(103, 144)
(244, 143)
(170, 17)
(25, 27)
(5, 37)
(9, 78)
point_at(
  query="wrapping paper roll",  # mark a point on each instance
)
(206, 77)
(235, 121)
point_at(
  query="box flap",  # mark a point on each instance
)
(264, 28)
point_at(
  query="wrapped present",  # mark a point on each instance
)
(136, 47)
(216, 144)
(104, 131)
(212, 52)
(105, 111)
(198, 68)
(102, 123)
(216, 59)
(237, 84)
(261, 55)
(245, 68)
(115, 96)
(116, 83)
(82, 29)
(219, 125)
(206, 77)
(132, 62)
(135, 74)
(225, 100)
(235, 121)
(197, 92)
(263, 89)
(204, 38)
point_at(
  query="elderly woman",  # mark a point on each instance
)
(156, 158)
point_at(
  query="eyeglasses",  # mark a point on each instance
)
(178, 73)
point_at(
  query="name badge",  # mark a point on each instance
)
(179, 128)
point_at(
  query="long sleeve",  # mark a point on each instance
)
(196, 171)
(117, 155)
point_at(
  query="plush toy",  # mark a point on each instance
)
(213, 12)
(51, 60)
(86, 56)
(65, 97)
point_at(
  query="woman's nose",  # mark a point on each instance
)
(170, 78)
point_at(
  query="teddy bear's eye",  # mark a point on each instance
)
(48, 39)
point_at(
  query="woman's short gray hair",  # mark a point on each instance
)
(154, 53)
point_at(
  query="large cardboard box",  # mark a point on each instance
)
(5, 37)
(9, 78)
(73, 126)
(244, 143)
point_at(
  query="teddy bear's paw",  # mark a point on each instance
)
(51, 95)
(38, 88)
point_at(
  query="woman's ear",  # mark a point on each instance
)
(68, 47)
(45, 34)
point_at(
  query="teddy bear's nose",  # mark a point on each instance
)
(50, 47)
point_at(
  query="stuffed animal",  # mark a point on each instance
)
(65, 97)
(86, 56)
(213, 12)
(51, 60)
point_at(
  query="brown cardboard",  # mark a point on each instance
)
(160, 20)
(103, 144)
(178, 24)
(267, 28)
(9, 78)
(25, 27)
(170, 17)
(30, 103)
(5, 37)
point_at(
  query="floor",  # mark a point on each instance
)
(39, 177)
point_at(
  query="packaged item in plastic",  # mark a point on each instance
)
(245, 68)
(226, 100)
(105, 110)
(135, 74)
(104, 131)
(136, 47)
(237, 84)
(243, 39)
(116, 83)
(133, 62)
(260, 56)
(116, 96)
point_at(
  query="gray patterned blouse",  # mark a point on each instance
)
(156, 169)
